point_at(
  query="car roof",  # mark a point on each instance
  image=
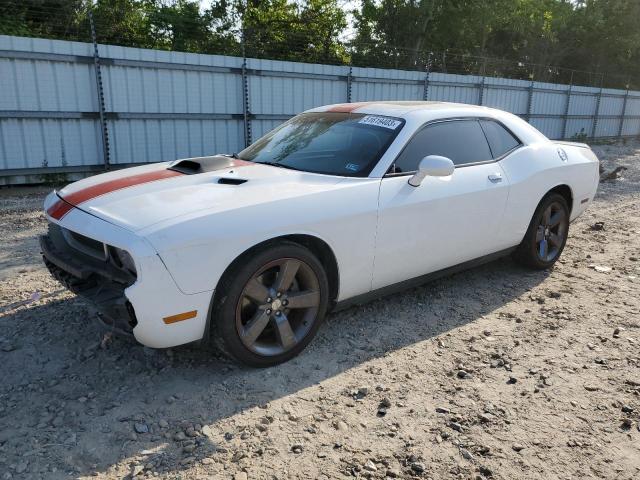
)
(419, 112)
(396, 107)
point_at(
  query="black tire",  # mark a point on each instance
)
(530, 253)
(232, 304)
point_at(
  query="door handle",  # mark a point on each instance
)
(495, 178)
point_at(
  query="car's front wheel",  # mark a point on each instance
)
(271, 305)
(547, 233)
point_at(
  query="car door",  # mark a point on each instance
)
(446, 220)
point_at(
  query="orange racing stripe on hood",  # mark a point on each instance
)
(347, 107)
(63, 205)
(59, 209)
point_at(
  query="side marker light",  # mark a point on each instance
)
(180, 317)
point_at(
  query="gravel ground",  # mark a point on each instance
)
(497, 372)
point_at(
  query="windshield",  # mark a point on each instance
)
(345, 144)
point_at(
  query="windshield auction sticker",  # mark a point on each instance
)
(377, 121)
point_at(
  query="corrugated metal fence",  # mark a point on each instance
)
(161, 105)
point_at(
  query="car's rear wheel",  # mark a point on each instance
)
(271, 305)
(547, 233)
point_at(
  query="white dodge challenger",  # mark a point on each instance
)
(340, 204)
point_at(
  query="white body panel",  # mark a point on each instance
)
(444, 222)
(341, 212)
(154, 282)
(534, 170)
(184, 231)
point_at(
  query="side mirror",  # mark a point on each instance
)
(434, 166)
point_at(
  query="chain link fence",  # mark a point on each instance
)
(72, 107)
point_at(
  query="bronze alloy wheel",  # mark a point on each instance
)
(547, 234)
(277, 307)
(551, 232)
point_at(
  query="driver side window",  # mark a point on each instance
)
(463, 141)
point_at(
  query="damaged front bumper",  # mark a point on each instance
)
(122, 274)
(86, 267)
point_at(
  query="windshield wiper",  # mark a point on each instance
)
(281, 165)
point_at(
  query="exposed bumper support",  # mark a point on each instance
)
(97, 281)
(81, 252)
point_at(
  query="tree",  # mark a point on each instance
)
(606, 38)
(182, 27)
(282, 29)
(123, 22)
(513, 38)
(322, 22)
(465, 36)
(44, 18)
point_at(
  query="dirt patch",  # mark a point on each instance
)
(496, 372)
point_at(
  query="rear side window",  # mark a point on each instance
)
(500, 139)
(463, 141)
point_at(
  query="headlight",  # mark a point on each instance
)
(123, 260)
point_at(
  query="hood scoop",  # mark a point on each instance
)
(191, 166)
(231, 181)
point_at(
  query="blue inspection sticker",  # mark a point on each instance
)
(354, 167)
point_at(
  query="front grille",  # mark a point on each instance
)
(90, 255)
(84, 244)
(97, 280)
(87, 242)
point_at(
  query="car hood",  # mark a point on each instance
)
(136, 198)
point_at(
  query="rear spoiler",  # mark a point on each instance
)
(572, 144)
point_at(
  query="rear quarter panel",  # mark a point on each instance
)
(535, 169)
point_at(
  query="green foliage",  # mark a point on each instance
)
(459, 36)
(43, 18)
(282, 29)
(580, 136)
(182, 27)
(56, 180)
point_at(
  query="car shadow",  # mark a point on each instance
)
(83, 395)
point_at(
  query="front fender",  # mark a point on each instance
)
(197, 250)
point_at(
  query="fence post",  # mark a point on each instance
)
(597, 112)
(100, 93)
(425, 92)
(481, 93)
(529, 101)
(566, 109)
(624, 110)
(349, 81)
(246, 109)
